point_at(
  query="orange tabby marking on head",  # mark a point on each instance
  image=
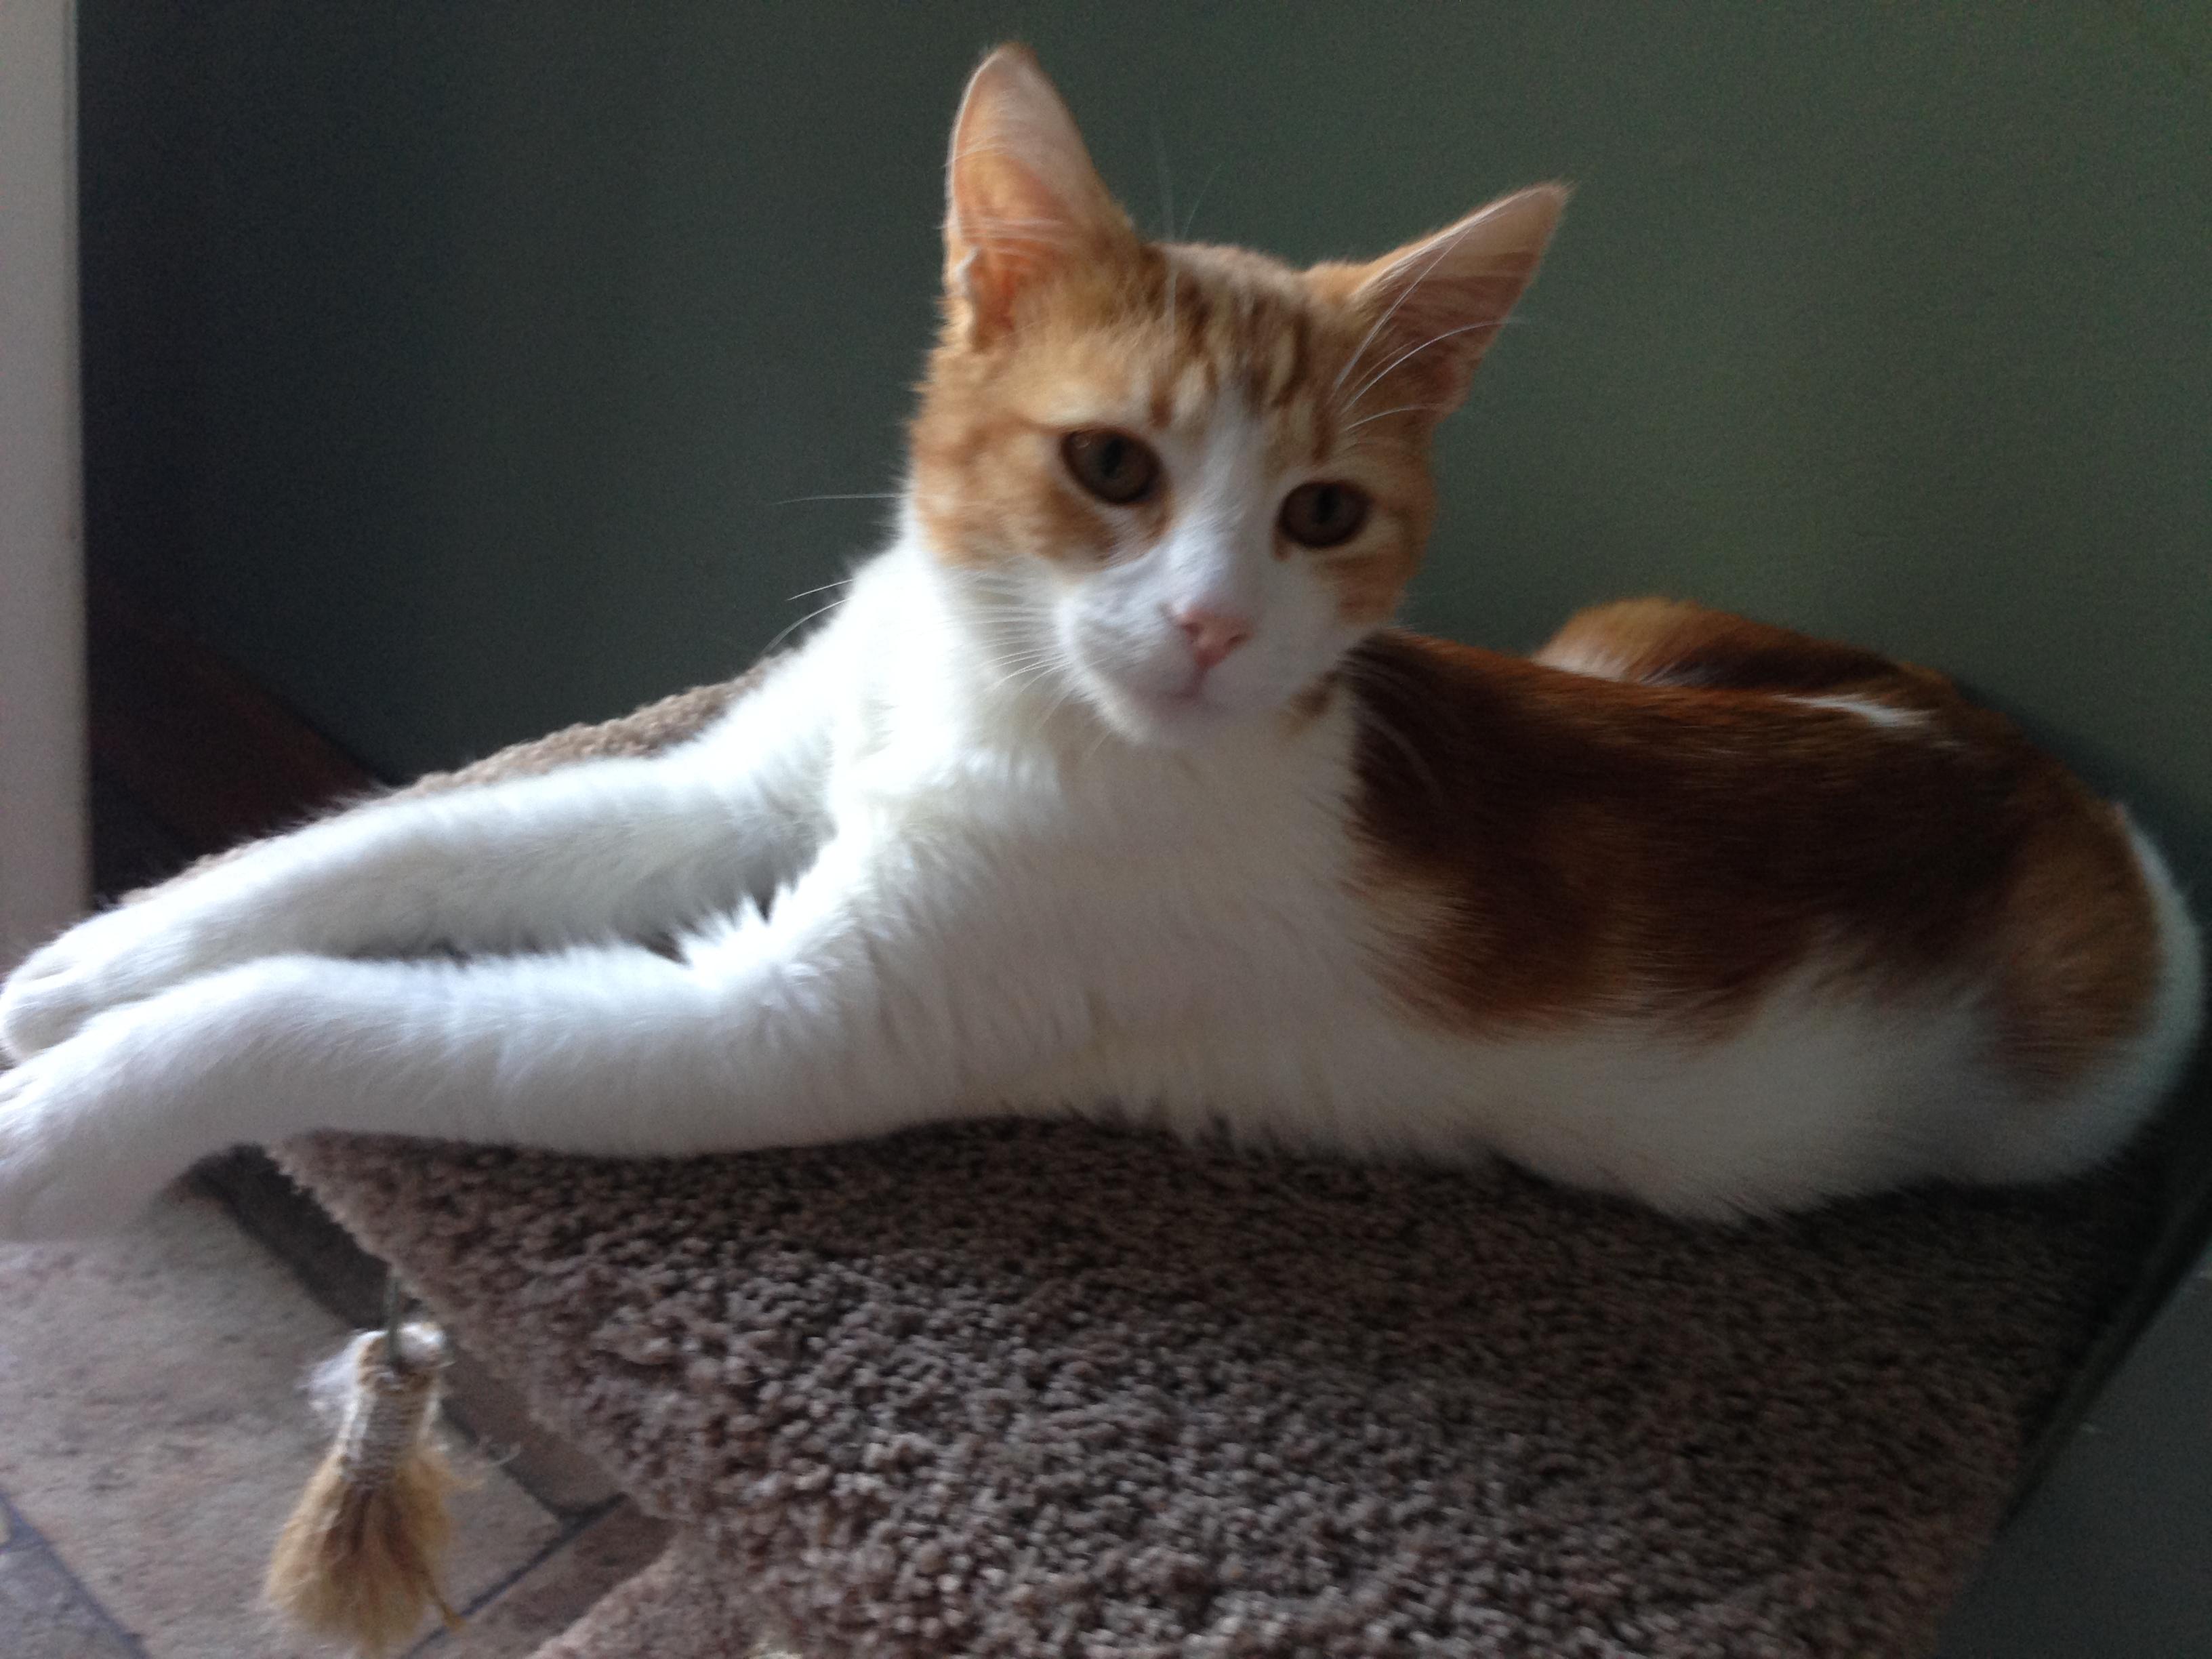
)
(1057, 314)
(1152, 342)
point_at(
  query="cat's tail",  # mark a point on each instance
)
(2091, 1119)
(1655, 641)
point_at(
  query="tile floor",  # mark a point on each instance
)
(153, 1437)
(154, 1434)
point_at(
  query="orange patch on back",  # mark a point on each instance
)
(1578, 845)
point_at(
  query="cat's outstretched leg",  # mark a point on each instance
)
(593, 851)
(873, 996)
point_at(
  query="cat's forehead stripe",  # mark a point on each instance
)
(1289, 364)
(1212, 328)
(1193, 393)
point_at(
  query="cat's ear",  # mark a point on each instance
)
(1021, 199)
(1434, 306)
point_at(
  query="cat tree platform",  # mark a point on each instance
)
(1020, 1389)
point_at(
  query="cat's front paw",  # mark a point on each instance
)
(119, 956)
(80, 1149)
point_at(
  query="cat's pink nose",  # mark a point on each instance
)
(1213, 634)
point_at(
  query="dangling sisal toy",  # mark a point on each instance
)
(358, 1561)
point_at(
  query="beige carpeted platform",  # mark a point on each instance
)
(1032, 1389)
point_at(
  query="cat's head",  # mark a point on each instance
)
(1179, 481)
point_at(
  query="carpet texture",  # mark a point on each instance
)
(1028, 1389)
(676, 1609)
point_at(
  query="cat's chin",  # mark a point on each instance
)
(1165, 720)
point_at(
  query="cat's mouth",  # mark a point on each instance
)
(1172, 716)
(1158, 697)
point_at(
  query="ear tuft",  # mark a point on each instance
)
(1023, 199)
(1435, 305)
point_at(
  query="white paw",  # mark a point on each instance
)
(76, 1151)
(110, 960)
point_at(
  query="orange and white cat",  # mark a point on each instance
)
(1106, 787)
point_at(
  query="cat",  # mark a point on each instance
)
(1109, 786)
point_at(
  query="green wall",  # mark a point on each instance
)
(455, 367)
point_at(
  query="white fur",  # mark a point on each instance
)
(1888, 716)
(911, 883)
(2055, 1138)
(1592, 661)
(1113, 627)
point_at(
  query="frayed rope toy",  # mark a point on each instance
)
(358, 1561)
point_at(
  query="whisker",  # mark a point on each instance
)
(1368, 384)
(1019, 678)
(1029, 247)
(1383, 415)
(1066, 692)
(1368, 339)
(1191, 218)
(1040, 229)
(1358, 667)
(1023, 671)
(985, 146)
(1098, 743)
(1167, 184)
(1013, 219)
(787, 632)
(1022, 662)
(1168, 220)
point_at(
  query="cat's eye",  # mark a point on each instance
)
(1323, 514)
(1112, 465)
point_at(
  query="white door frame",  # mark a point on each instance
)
(44, 851)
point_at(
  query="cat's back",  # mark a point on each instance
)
(1682, 825)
